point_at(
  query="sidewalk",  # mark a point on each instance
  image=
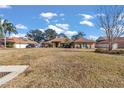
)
(15, 71)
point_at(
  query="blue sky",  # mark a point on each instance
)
(63, 19)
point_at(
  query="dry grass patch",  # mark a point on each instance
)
(65, 68)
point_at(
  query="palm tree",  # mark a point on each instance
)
(6, 27)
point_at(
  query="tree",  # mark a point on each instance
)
(38, 35)
(6, 27)
(35, 35)
(1, 34)
(62, 35)
(111, 20)
(77, 36)
(50, 34)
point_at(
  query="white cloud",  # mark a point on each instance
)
(57, 29)
(93, 37)
(87, 23)
(47, 20)
(48, 15)
(63, 26)
(86, 16)
(102, 29)
(100, 14)
(20, 26)
(70, 33)
(42, 30)
(5, 6)
(62, 14)
(17, 35)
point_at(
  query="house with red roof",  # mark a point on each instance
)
(62, 42)
(17, 42)
(102, 42)
(84, 43)
(58, 42)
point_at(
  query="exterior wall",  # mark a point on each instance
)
(76, 45)
(121, 45)
(114, 46)
(101, 45)
(56, 44)
(91, 45)
(20, 45)
(84, 45)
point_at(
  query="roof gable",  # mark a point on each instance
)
(19, 40)
(83, 40)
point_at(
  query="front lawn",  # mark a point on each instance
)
(51, 67)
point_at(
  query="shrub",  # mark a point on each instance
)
(109, 52)
(9, 45)
(99, 50)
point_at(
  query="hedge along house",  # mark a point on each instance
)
(60, 42)
(17, 42)
(102, 42)
(84, 43)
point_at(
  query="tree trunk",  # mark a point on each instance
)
(110, 46)
(5, 41)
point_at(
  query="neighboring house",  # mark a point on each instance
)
(84, 43)
(46, 44)
(17, 42)
(60, 42)
(102, 42)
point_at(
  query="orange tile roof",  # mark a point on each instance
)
(84, 40)
(19, 41)
(61, 40)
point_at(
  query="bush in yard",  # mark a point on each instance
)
(109, 52)
(9, 45)
(99, 50)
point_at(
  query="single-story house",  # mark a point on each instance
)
(102, 42)
(60, 42)
(46, 44)
(84, 43)
(17, 42)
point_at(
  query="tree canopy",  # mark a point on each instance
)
(79, 35)
(35, 35)
(39, 36)
(111, 20)
(62, 35)
(6, 27)
(50, 34)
